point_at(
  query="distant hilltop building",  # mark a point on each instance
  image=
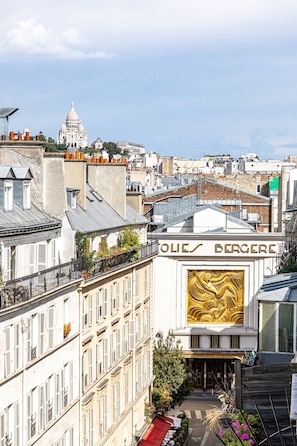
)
(131, 147)
(72, 132)
(97, 144)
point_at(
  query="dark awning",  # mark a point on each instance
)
(156, 432)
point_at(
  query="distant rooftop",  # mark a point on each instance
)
(4, 113)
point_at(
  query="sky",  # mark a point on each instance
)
(184, 78)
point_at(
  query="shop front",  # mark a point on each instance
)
(211, 374)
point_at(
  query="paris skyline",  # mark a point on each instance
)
(183, 78)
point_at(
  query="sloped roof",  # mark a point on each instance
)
(227, 186)
(22, 173)
(99, 215)
(15, 172)
(20, 218)
(6, 111)
(177, 187)
(279, 288)
(20, 226)
(189, 216)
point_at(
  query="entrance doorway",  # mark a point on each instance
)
(210, 374)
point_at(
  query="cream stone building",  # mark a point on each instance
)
(76, 356)
(207, 274)
(72, 132)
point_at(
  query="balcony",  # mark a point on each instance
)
(25, 288)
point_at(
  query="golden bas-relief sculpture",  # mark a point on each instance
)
(215, 296)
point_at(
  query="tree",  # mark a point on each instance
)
(111, 148)
(128, 238)
(173, 379)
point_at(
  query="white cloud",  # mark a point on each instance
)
(157, 21)
(30, 37)
(60, 26)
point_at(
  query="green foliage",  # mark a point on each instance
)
(128, 238)
(83, 251)
(242, 416)
(41, 137)
(149, 411)
(181, 433)
(61, 147)
(243, 431)
(111, 148)
(51, 147)
(104, 250)
(173, 382)
(289, 265)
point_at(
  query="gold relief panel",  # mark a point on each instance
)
(215, 296)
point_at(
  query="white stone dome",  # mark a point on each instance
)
(72, 115)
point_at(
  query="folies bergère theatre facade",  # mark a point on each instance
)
(205, 288)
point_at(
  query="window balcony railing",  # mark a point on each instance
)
(19, 290)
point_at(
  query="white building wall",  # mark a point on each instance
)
(254, 254)
(23, 373)
(273, 166)
(291, 198)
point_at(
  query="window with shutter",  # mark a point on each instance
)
(51, 327)
(7, 354)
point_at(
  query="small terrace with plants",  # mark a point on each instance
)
(88, 264)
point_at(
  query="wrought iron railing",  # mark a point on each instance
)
(24, 288)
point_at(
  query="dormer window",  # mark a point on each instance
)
(73, 200)
(8, 195)
(22, 193)
(72, 197)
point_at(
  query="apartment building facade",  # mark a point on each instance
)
(39, 325)
(73, 346)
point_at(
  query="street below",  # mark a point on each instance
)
(195, 408)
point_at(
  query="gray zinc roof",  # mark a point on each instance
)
(22, 173)
(18, 172)
(6, 111)
(279, 288)
(27, 226)
(99, 215)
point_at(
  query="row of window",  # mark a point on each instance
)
(67, 438)
(215, 341)
(43, 403)
(109, 300)
(38, 256)
(40, 335)
(98, 359)
(111, 402)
